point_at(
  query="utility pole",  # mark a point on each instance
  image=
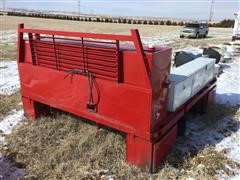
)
(211, 11)
(79, 4)
(3, 5)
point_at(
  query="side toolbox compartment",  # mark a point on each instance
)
(180, 91)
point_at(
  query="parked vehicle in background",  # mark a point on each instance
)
(194, 30)
(236, 29)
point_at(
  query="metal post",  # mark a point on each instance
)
(211, 11)
(79, 3)
(3, 5)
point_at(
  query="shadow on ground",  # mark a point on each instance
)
(10, 170)
(204, 131)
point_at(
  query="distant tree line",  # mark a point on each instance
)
(224, 23)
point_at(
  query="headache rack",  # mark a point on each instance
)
(101, 58)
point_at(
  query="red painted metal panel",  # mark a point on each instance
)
(160, 72)
(162, 148)
(139, 151)
(71, 94)
(28, 106)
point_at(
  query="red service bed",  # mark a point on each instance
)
(103, 79)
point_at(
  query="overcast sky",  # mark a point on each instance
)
(191, 9)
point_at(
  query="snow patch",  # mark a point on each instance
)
(228, 86)
(199, 135)
(224, 135)
(152, 41)
(217, 35)
(159, 39)
(232, 144)
(9, 79)
(9, 122)
(8, 169)
(8, 36)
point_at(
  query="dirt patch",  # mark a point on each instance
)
(67, 148)
(7, 103)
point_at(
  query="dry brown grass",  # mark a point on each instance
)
(63, 147)
(237, 114)
(67, 148)
(8, 51)
(207, 164)
(7, 103)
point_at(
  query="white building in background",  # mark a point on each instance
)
(236, 29)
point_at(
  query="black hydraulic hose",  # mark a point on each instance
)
(92, 83)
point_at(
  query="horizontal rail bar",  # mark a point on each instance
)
(78, 56)
(79, 34)
(88, 54)
(46, 58)
(63, 60)
(47, 65)
(90, 60)
(88, 46)
(112, 42)
(72, 65)
(79, 61)
(45, 61)
(93, 70)
(80, 51)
